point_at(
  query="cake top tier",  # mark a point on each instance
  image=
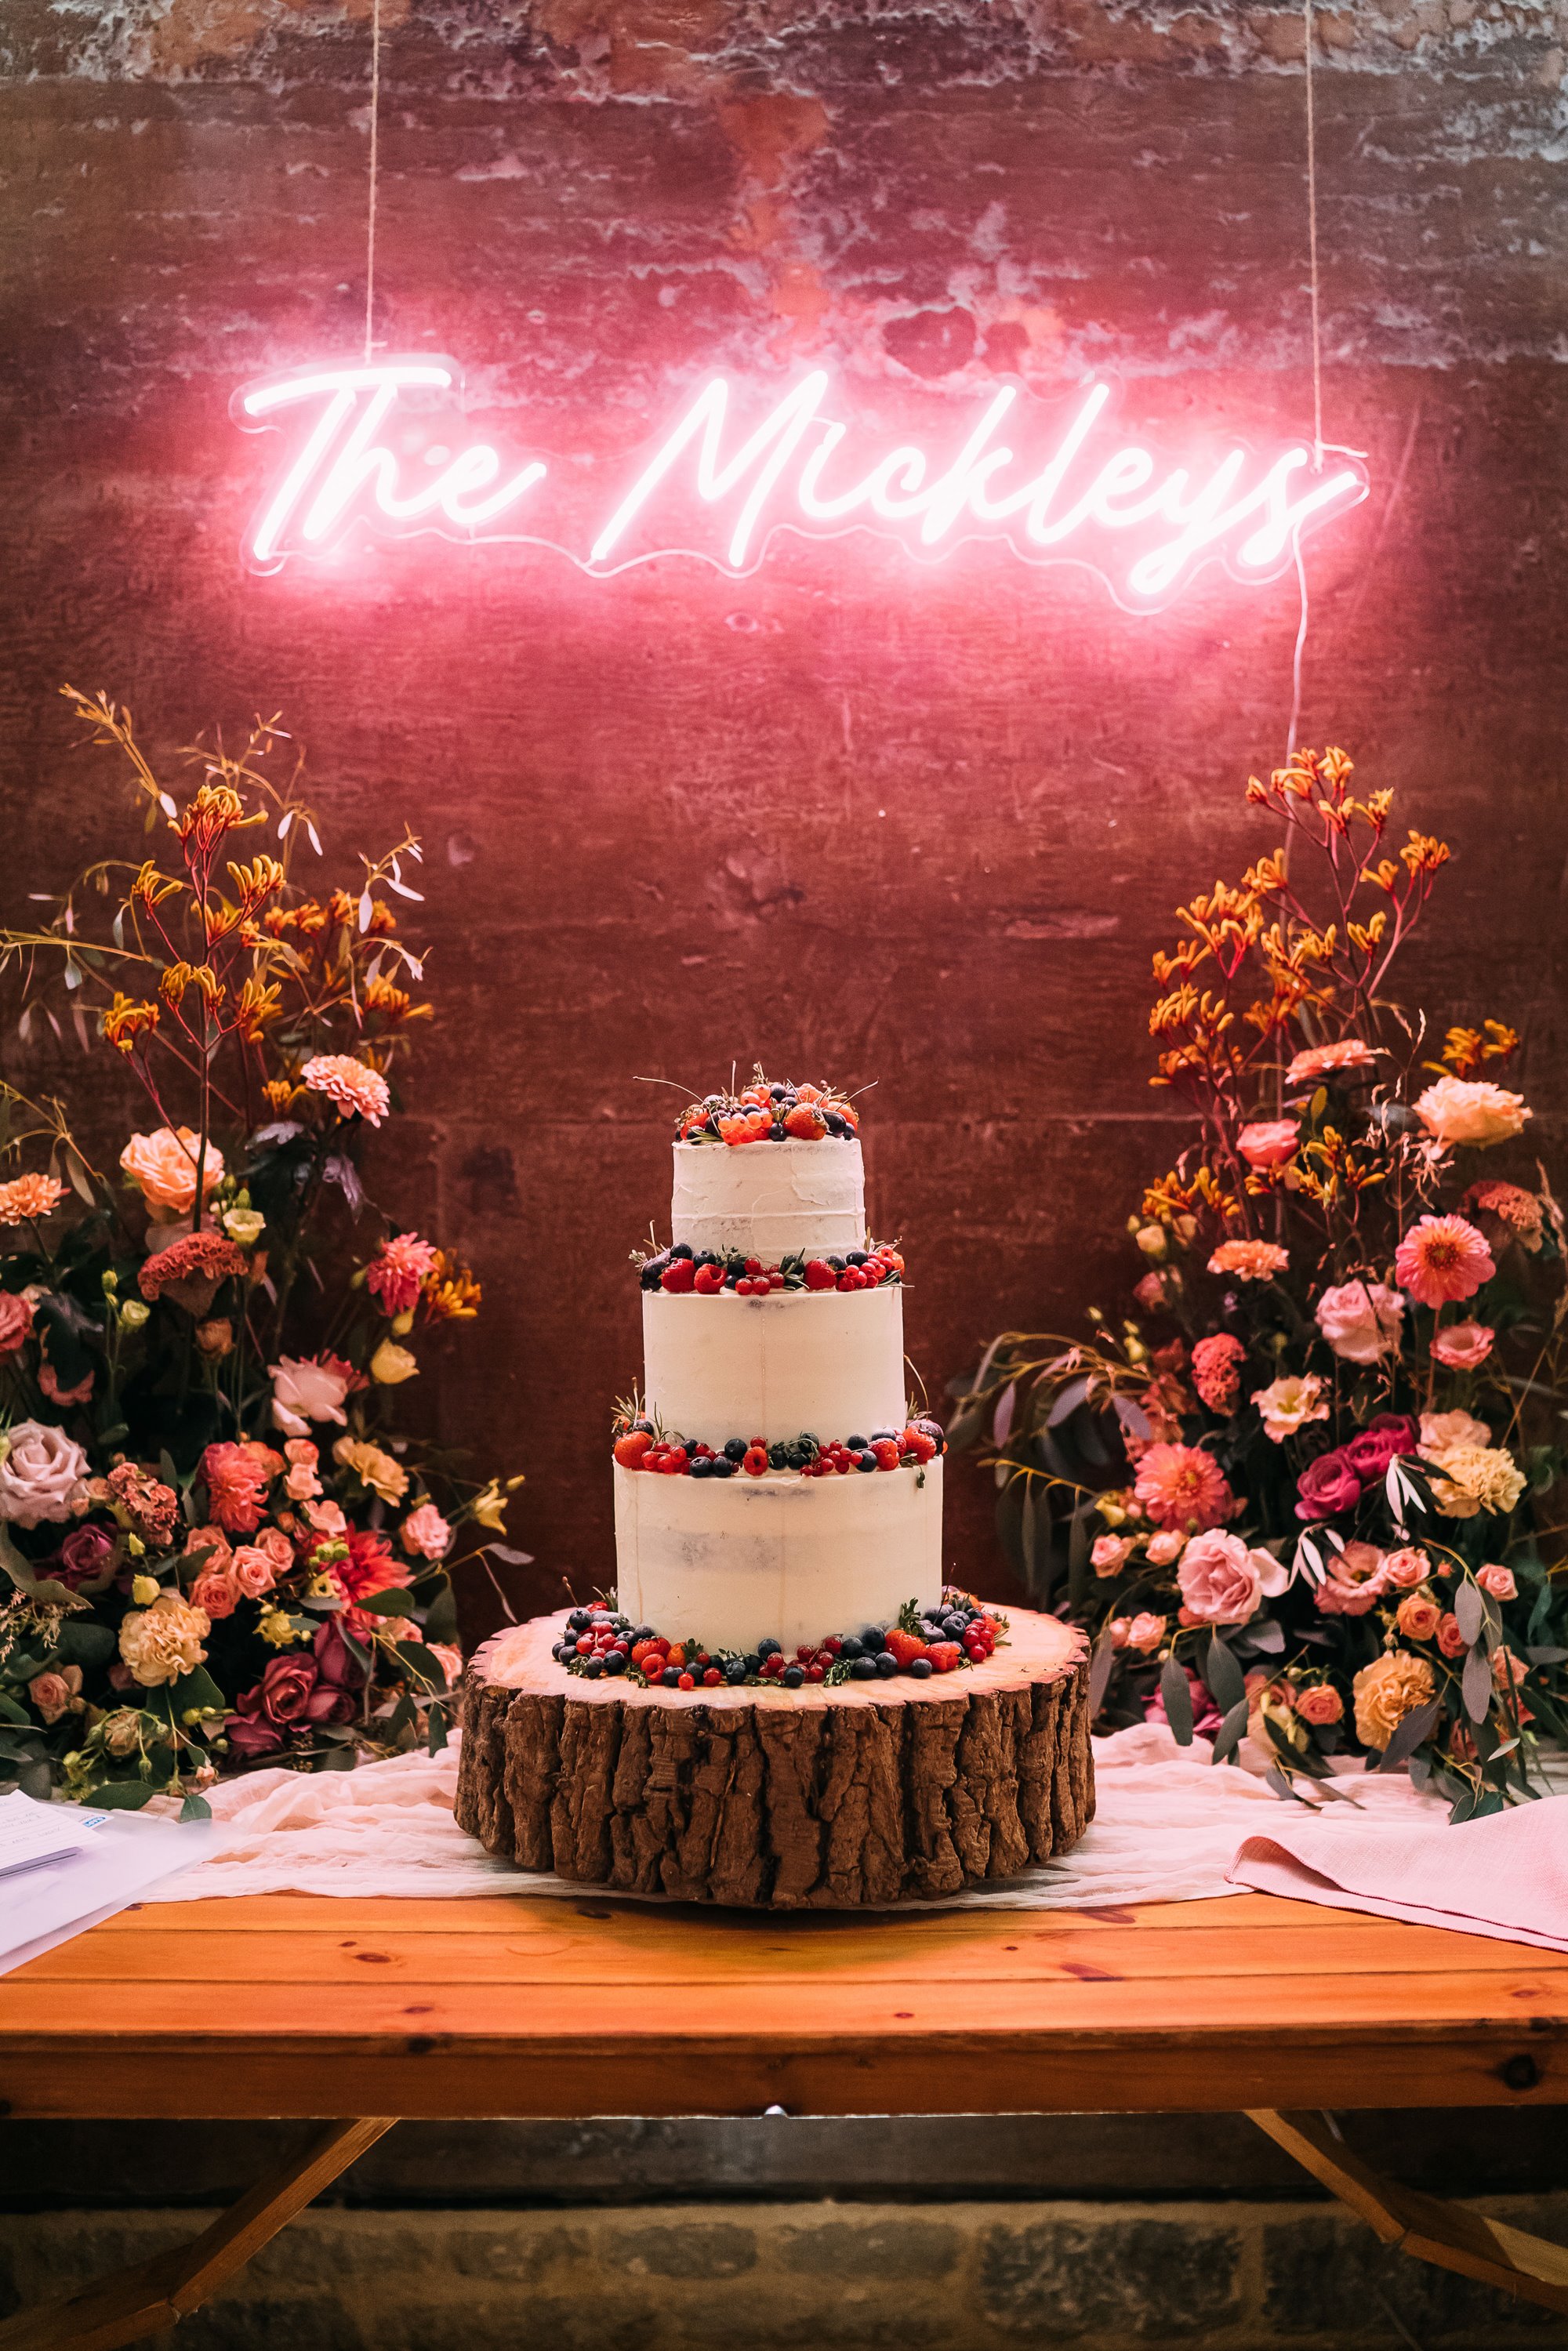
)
(770, 1110)
(770, 1171)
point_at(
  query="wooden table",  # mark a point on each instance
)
(293, 2006)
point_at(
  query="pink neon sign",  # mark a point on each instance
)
(371, 446)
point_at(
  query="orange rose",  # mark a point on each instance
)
(162, 1165)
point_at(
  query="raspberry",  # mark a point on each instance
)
(709, 1279)
(944, 1656)
(678, 1276)
(820, 1275)
(687, 1681)
(886, 1452)
(630, 1448)
(914, 1440)
(905, 1647)
(806, 1123)
(756, 1461)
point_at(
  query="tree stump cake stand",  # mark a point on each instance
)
(868, 1793)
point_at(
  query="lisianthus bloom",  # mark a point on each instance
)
(1222, 1582)
(1382, 1440)
(1320, 1702)
(1287, 1405)
(306, 1388)
(1355, 1581)
(1361, 1319)
(1470, 1110)
(372, 1468)
(1441, 1429)
(1269, 1142)
(1182, 1487)
(1499, 1580)
(42, 1474)
(163, 1166)
(1216, 1370)
(25, 1198)
(1518, 1209)
(1442, 1257)
(1476, 1478)
(1349, 1058)
(1109, 1554)
(426, 1533)
(397, 1270)
(1463, 1346)
(1388, 1689)
(163, 1643)
(1249, 1260)
(1327, 1487)
(358, 1091)
(1418, 1617)
(237, 1477)
(391, 1364)
(244, 1225)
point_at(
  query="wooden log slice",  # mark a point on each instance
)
(871, 1793)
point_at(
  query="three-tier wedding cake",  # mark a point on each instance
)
(774, 1483)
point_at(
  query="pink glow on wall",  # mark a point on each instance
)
(369, 447)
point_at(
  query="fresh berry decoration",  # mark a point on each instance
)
(958, 1633)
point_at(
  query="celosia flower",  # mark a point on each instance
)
(48, 1380)
(1216, 1370)
(25, 1198)
(1249, 1260)
(1222, 1582)
(306, 1388)
(1269, 1142)
(162, 1165)
(1442, 1257)
(426, 1533)
(358, 1091)
(1388, 1689)
(41, 1476)
(153, 1508)
(1361, 1319)
(237, 1477)
(1470, 1110)
(1182, 1487)
(191, 1270)
(1518, 1209)
(1463, 1346)
(398, 1271)
(372, 1468)
(163, 1643)
(1287, 1405)
(1348, 1058)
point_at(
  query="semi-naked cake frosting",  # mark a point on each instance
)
(774, 1484)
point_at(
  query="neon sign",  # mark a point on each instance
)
(370, 448)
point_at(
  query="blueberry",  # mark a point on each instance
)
(778, 1135)
(736, 1450)
(866, 1461)
(652, 1271)
(884, 1436)
(770, 1648)
(700, 1469)
(593, 1668)
(854, 1256)
(812, 1443)
(680, 1248)
(753, 1662)
(886, 1664)
(643, 1632)
(721, 1467)
(837, 1263)
(776, 1093)
(797, 1456)
(792, 1676)
(835, 1121)
(616, 1662)
(671, 1677)
(561, 1652)
(735, 1671)
(862, 1670)
(872, 1638)
(921, 1668)
(778, 1457)
(850, 1647)
(706, 1257)
(855, 1443)
(644, 1429)
(578, 1620)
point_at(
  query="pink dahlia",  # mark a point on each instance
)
(1181, 1486)
(237, 1477)
(1269, 1142)
(398, 1269)
(1215, 1370)
(1348, 1058)
(358, 1091)
(1442, 1257)
(1249, 1260)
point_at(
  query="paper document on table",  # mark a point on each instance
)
(112, 1860)
(31, 1833)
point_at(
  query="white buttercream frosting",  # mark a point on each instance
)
(766, 1199)
(736, 1561)
(831, 1362)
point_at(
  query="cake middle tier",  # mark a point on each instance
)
(830, 1361)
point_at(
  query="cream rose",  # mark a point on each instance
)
(1388, 1689)
(162, 1643)
(41, 1476)
(163, 1166)
(1222, 1582)
(1361, 1319)
(1470, 1110)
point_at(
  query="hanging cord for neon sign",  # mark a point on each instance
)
(1317, 377)
(370, 207)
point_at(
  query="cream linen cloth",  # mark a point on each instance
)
(1167, 1829)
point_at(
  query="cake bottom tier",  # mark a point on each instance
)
(737, 1561)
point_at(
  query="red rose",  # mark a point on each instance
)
(1328, 1487)
(251, 1734)
(86, 1551)
(333, 1661)
(286, 1688)
(1379, 1443)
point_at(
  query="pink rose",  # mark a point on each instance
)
(1110, 1554)
(52, 1692)
(1499, 1582)
(253, 1572)
(1403, 1569)
(252, 1735)
(16, 1322)
(1361, 1319)
(1418, 1617)
(1327, 1487)
(1222, 1582)
(333, 1659)
(426, 1534)
(1320, 1703)
(214, 1592)
(1463, 1345)
(1370, 1453)
(1450, 1640)
(1165, 1546)
(1146, 1631)
(1269, 1142)
(163, 1166)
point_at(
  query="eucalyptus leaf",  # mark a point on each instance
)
(1228, 1738)
(393, 1603)
(47, 1590)
(441, 1615)
(1226, 1682)
(1475, 1684)
(1177, 1692)
(1103, 1658)
(124, 1795)
(1002, 1418)
(1469, 1608)
(196, 1808)
(1067, 1400)
(1409, 1732)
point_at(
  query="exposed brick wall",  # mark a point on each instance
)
(920, 826)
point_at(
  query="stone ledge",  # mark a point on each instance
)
(954, 2277)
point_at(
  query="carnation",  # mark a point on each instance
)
(1361, 1319)
(1182, 1487)
(42, 1474)
(1470, 1110)
(358, 1091)
(163, 1643)
(1476, 1478)
(1516, 1208)
(25, 1198)
(426, 1533)
(1388, 1689)
(1249, 1260)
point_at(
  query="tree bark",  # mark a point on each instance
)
(813, 1798)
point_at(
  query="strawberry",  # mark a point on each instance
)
(905, 1646)
(820, 1275)
(709, 1279)
(630, 1448)
(678, 1276)
(805, 1123)
(916, 1441)
(944, 1656)
(675, 1657)
(809, 1093)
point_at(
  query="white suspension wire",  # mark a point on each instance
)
(371, 210)
(1312, 249)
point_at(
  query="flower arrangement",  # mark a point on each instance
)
(1305, 1497)
(217, 1547)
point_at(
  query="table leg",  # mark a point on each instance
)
(149, 2298)
(1529, 2268)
